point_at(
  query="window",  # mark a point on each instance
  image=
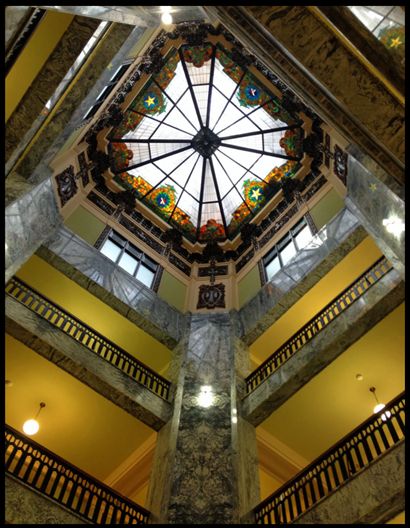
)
(108, 88)
(129, 258)
(287, 247)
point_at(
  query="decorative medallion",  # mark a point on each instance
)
(211, 296)
(66, 185)
(393, 38)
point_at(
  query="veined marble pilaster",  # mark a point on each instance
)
(20, 499)
(60, 61)
(373, 203)
(310, 58)
(205, 469)
(30, 221)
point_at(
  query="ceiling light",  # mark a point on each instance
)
(394, 225)
(206, 397)
(166, 18)
(377, 408)
(31, 426)
(359, 377)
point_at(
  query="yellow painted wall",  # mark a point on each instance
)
(326, 208)
(84, 224)
(93, 312)
(30, 61)
(249, 286)
(268, 484)
(172, 291)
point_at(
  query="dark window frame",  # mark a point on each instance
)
(142, 259)
(288, 238)
(107, 89)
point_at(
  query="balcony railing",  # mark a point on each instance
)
(94, 341)
(71, 487)
(318, 323)
(336, 466)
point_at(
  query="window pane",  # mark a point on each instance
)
(128, 263)
(110, 250)
(288, 252)
(145, 275)
(303, 237)
(272, 268)
(369, 18)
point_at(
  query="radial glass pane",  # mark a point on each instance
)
(197, 151)
(218, 103)
(201, 96)
(230, 203)
(242, 126)
(194, 183)
(368, 17)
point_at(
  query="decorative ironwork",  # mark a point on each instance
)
(348, 457)
(103, 237)
(157, 279)
(340, 164)
(66, 185)
(278, 225)
(244, 260)
(45, 472)
(177, 262)
(101, 203)
(326, 150)
(89, 338)
(211, 296)
(142, 235)
(218, 270)
(318, 323)
(84, 168)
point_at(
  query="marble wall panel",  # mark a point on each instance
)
(68, 354)
(29, 222)
(67, 50)
(342, 332)
(373, 496)
(328, 247)
(372, 203)
(208, 454)
(46, 146)
(26, 506)
(141, 16)
(86, 265)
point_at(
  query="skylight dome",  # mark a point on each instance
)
(204, 144)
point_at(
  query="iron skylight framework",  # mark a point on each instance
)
(205, 144)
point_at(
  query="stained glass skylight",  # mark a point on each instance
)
(205, 144)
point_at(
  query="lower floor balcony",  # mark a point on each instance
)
(365, 469)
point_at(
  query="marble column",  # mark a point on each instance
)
(378, 209)
(30, 221)
(205, 469)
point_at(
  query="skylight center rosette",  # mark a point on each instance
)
(205, 144)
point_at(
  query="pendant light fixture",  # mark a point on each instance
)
(379, 406)
(31, 426)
